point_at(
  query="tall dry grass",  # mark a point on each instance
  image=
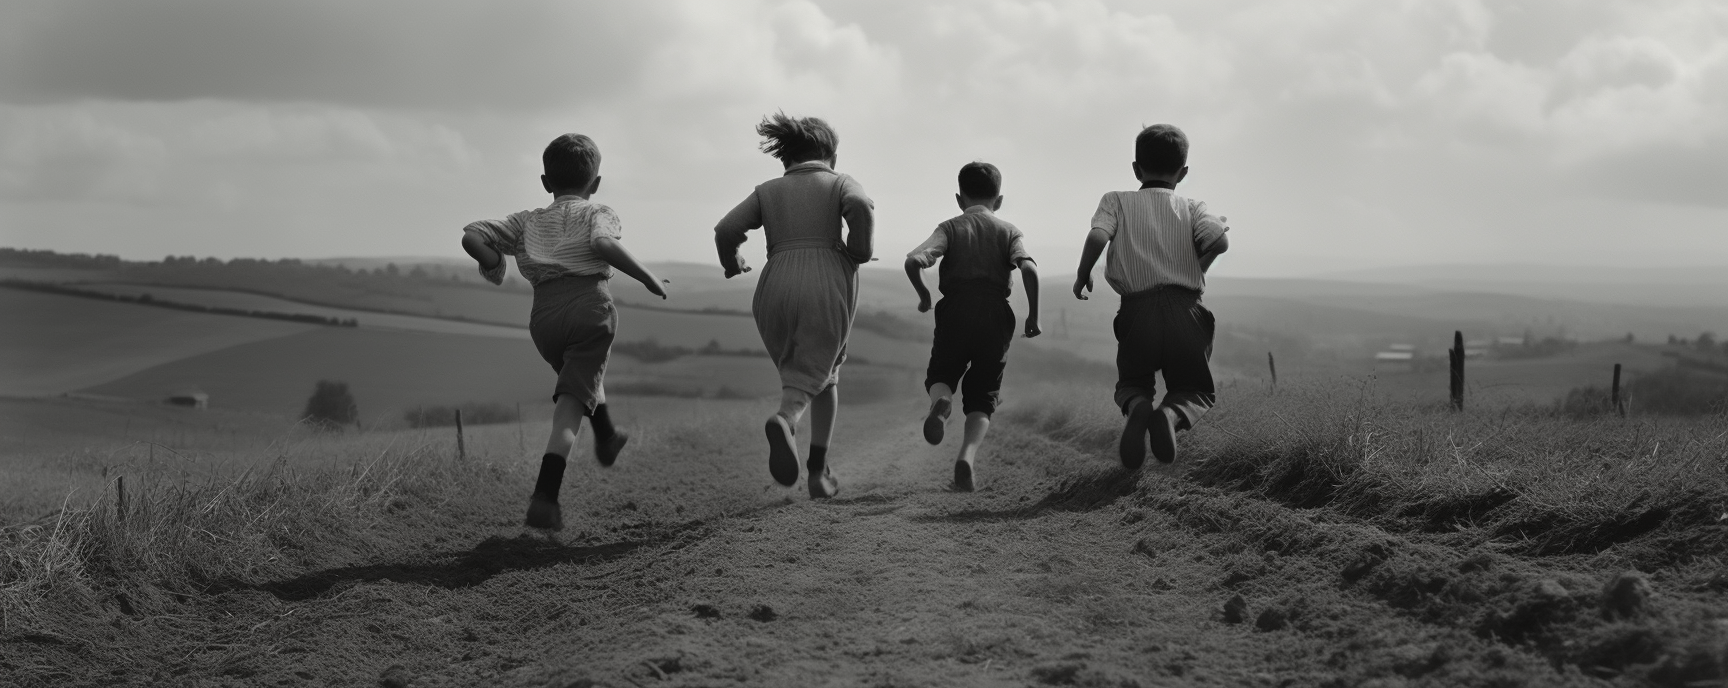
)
(1652, 491)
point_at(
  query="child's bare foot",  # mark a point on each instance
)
(1133, 445)
(937, 421)
(963, 476)
(821, 480)
(782, 457)
(543, 512)
(1163, 428)
(606, 451)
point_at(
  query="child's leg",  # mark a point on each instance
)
(1189, 390)
(824, 411)
(793, 404)
(780, 429)
(566, 425)
(1139, 354)
(977, 425)
(543, 511)
(608, 441)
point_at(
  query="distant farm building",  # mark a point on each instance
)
(189, 399)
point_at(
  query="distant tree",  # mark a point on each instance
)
(392, 269)
(1707, 342)
(331, 406)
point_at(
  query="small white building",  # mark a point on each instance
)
(1395, 360)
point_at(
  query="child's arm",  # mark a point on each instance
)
(1096, 240)
(487, 241)
(915, 272)
(1029, 277)
(1212, 252)
(613, 252)
(732, 232)
(477, 249)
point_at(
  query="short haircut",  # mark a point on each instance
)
(980, 180)
(1161, 149)
(797, 139)
(571, 160)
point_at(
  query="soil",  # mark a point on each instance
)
(690, 568)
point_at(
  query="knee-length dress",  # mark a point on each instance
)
(808, 292)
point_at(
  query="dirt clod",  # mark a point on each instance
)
(1272, 619)
(1626, 596)
(1236, 609)
(705, 611)
(396, 676)
(763, 613)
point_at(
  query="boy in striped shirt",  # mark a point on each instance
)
(1161, 245)
(567, 251)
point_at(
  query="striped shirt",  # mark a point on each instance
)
(1156, 239)
(550, 242)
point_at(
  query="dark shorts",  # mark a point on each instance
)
(1165, 330)
(973, 331)
(573, 324)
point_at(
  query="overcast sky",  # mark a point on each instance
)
(1334, 135)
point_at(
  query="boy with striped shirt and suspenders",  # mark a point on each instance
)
(1161, 245)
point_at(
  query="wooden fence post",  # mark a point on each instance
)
(1457, 355)
(461, 451)
(1272, 366)
(1614, 393)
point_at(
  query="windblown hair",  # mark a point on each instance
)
(980, 180)
(797, 139)
(1161, 149)
(571, 160)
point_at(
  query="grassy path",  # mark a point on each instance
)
(683, 567)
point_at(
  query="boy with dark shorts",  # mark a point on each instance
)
(974, 322)
(1161, 245)
(567, 251)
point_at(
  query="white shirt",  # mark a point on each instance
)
(1156, 239)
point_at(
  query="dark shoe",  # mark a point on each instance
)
(544, 513)
(821, 481)
(606, 452)
(962, 477)
(935, 423)
(1163, 431)
(1133, 446)
(782, 458)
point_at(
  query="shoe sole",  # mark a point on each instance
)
(963, 477)
(544, 514)
(782, 458)
(607, 454)
(1163, 429)
(936, 422)
(1133, 446)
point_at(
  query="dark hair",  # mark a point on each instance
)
(571, 160)
(797, 139)
(1161, 149)
(980, 180)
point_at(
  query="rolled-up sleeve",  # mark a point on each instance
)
(932, 248)
(733, 229)
(860, 214)
(1105, 219)
(1017, 248)
(503, 236)
(1208, 228)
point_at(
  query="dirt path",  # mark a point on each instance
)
(685, 568)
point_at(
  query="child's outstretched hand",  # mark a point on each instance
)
(656, 288)
(1083, 283)
(1032, 328)
(924, 302)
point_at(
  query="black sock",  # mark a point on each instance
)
(551, 476)
(601, 421)
(818, 460)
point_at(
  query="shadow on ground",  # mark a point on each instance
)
(451, 570)
(1080, 493)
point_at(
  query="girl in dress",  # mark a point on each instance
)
(808, 292)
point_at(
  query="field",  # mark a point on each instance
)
(53, 344)
(1314, 537)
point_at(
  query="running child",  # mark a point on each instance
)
(808, 294)
(974, 321)
(567, 251)
(1161, 245)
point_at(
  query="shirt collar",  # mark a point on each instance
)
(809, 166)
(1157, 184)
(980, 208)
(566, 197)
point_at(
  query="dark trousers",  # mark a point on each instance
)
(1165, 329)
(572, 326)
(973, 331)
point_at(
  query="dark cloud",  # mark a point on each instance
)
(505, 55)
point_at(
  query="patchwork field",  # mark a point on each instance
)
(53, 344)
